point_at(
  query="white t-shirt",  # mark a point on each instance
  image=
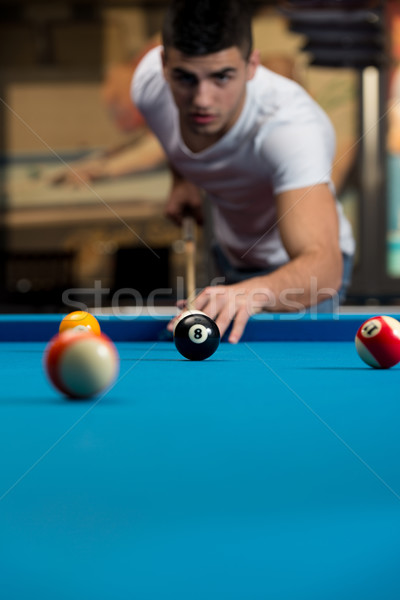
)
(282, 141)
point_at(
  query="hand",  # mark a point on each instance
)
(81, 174)
(185, 198)
(235, 304)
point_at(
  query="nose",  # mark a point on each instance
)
(202, 95)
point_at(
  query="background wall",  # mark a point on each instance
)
(57, 62)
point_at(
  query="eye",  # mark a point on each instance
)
(222, 77)
(186, 79)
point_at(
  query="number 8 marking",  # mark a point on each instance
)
(198, 334)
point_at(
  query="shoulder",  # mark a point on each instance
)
(267, 80)
(283, 101)
(273, 92)
(294, 134)
(286, 113)
(148, 79)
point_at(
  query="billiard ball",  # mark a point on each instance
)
(80, 320)
(196, 336)
(81, 365)
(378, 342)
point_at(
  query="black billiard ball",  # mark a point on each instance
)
(196, 336)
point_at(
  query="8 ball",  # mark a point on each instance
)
(196, 336)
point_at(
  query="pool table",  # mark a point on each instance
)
(269, 471)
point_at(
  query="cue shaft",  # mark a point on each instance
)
(189, 238)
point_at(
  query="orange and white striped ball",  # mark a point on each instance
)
(81, 365)
(81, 320)
(378, 342)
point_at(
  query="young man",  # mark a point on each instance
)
(261, 149)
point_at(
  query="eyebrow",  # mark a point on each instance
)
(224, 71)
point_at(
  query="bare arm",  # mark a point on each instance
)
(138, 156)
(308, 225)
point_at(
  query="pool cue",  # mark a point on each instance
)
(189, 238)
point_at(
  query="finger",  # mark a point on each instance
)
(182, 305)
(200, 302)
(225, 317)
(173, 216)
(204, 305)
(171, 324)
(239, 324)
(210, 300)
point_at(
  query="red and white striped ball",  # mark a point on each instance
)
(378, 342)
(81, 365)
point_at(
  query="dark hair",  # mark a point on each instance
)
(199, 27)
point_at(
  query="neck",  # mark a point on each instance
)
(198, 142)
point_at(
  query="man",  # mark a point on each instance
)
(261, 149)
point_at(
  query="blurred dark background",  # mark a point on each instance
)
(65, 68)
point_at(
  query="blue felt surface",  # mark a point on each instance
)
(268, 471)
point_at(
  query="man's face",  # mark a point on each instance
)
(209, 92)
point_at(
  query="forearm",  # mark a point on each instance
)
(143, 156)
(304, 281)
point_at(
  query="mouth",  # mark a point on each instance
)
(202, 119)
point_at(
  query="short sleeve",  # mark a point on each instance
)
(147, 81)
(302, 153)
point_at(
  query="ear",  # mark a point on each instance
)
(252, 64)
